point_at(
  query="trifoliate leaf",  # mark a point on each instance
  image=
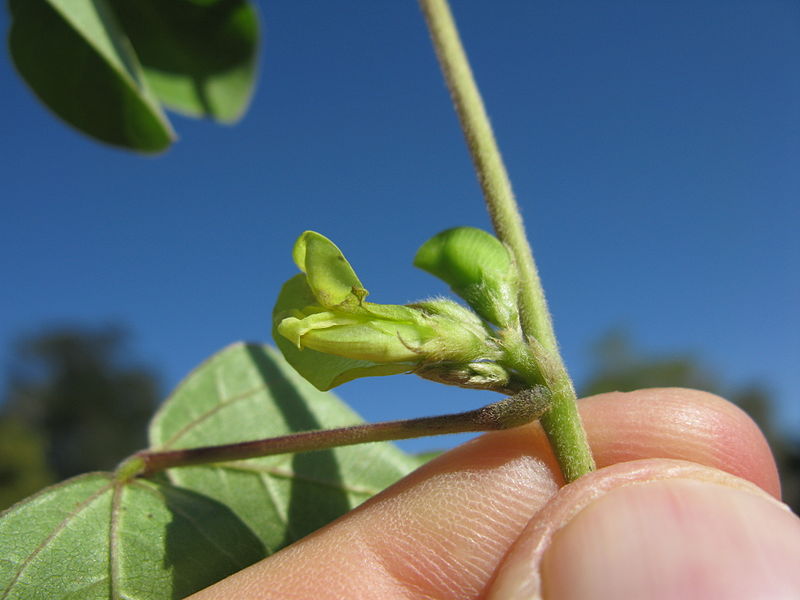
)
(102, 536)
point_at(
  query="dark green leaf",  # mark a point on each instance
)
(248, 392)
(199, 57)
(92, 537)
(79, 63)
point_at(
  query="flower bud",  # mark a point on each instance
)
(477, 267)
(474, 375)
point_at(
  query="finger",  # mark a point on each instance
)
(442, 531)
(679, 423)
(656, 529)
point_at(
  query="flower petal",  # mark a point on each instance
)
(330, 277)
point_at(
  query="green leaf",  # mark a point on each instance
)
(78, 61)
(477, 267)
(92, 537)
(324, 371)
(248, 392)
(329, 275)
(199, 57)
(97, 536)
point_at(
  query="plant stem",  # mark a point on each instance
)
(562, 422)
(511, 412)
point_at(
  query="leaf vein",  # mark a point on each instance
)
(206, 415)
(58, 529)
(113, 541)
(273, 499)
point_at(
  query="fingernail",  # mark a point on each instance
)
(674, 538)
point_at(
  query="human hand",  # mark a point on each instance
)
(682, 506)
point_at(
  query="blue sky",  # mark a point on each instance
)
(653, 148)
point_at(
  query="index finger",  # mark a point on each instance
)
(442, 531)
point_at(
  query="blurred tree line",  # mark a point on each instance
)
(619, 367)
(77, 402)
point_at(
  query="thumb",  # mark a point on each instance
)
(655, 529)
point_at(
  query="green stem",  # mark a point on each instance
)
(562, 422)
(518, 410)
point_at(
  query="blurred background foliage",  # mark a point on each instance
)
(620, 366)
(77, 401)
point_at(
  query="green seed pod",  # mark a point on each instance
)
(477, 267)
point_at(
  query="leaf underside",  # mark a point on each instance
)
(90, 537)
(199, 58)
(94, 537)
(107, 66)
(77, 61)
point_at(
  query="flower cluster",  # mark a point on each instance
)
(328, 331)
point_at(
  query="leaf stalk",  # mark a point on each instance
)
(520, 409)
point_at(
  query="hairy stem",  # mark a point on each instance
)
(511, 412)
(562, 422)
